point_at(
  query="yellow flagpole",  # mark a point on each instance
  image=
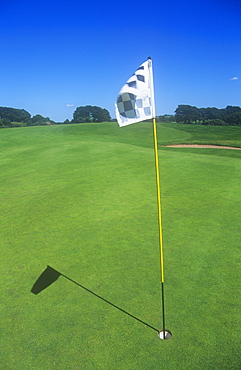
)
(157, 169)
(163, 334)
(158, 200)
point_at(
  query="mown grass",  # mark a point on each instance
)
(82, 199)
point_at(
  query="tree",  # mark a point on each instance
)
(230, 109)
(14, 115)
(187, 114)
(38, 120)
(4, 122)
(234, 119)
(91, 113)
(231, 115)
(211, 113)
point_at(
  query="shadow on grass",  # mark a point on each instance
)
(50, 275)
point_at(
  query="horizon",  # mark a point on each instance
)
(114, 118)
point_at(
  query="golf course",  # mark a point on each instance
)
(81, 198)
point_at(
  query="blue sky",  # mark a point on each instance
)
(56, 56)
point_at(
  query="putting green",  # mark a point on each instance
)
(82, 199)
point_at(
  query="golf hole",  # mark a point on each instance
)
(168, 334)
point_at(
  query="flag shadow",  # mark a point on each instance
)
(50, 275)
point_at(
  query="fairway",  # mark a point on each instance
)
(82, 199)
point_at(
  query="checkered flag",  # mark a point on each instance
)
(135, 101)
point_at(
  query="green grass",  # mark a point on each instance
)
(82, 199)
(198, 134)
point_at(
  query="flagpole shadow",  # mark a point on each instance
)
(50, 275)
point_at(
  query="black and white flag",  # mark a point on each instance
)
(135, 101)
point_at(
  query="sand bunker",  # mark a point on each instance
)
(201, 146)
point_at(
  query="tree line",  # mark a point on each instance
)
(229, 116)
(91, 113)
(13, 117)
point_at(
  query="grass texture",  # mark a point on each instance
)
(82, 199)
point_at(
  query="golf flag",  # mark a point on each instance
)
(48, 276)
(135, 101)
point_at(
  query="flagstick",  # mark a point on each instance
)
(127, 112)
(159, 222)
